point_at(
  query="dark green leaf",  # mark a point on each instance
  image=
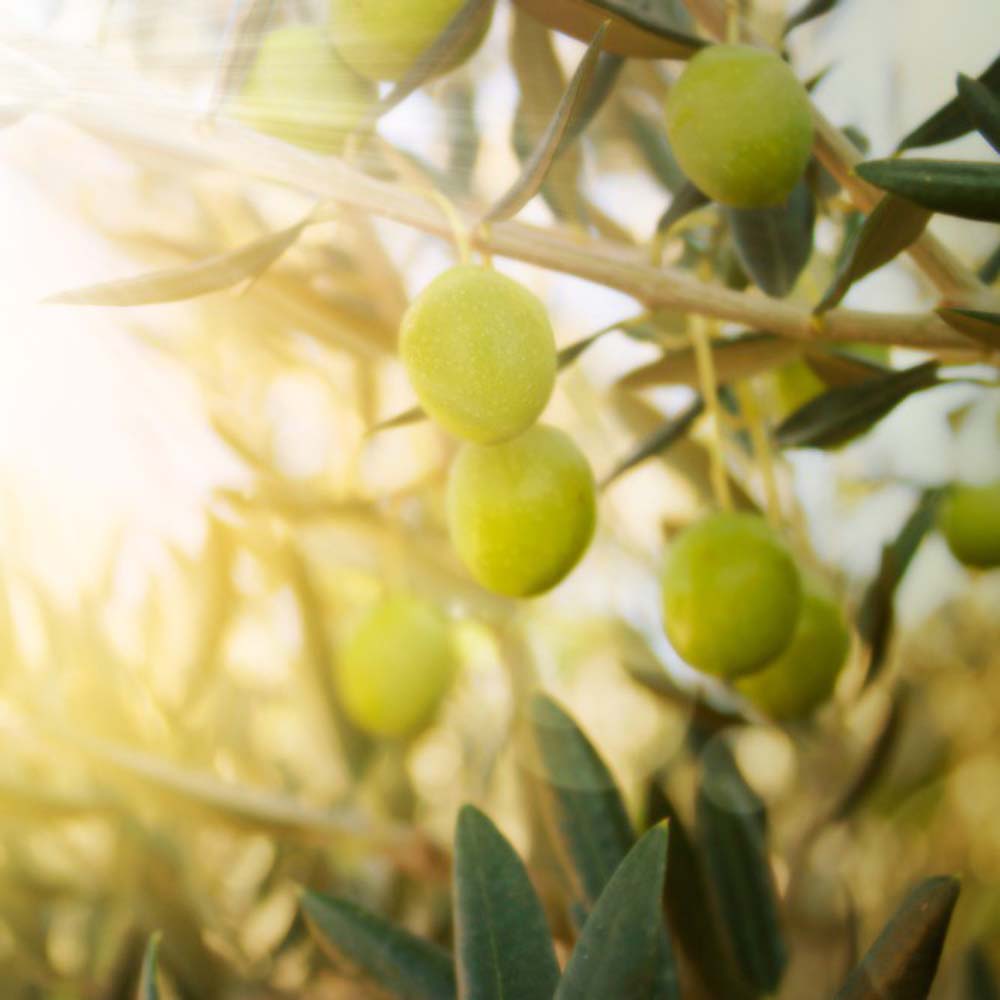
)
(609, 68)
(388, 956)
(837, 368)
(651, 141)
(902, 963)
(551, 142)
(968, 190)
(582, 803)
(687, 200)
(620, 950)
(980, 980)
(502, 940)
(148, 989)
(990, 269)
(812, 10)
(877, 612)
(657, 442)
(838, 415)
(982, 107)
(950, 121)
(892, 226)
(774, 244)
(731, 828)
(974, 323)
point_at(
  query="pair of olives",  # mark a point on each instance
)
(735, 606)
(313, 86)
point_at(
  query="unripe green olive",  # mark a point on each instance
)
(970, 522)
(396, 667)
(731, 594)
(740, 125)
(521, 514)
(803, 676)
(382, 39)
(301, 91)
(480, 353)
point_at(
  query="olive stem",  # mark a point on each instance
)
(750, 405)
(701, 336)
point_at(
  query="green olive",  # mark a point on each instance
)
(299, 90)
(803, 676)
(382, 39)
(740, 125)
(522, 513)
(396, 667)
(480, 353)
(731, 594)
(970, 522)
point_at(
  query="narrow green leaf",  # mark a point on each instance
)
(990, 269)
(583, 805)
(812, 10)
(893, 225)
(502, 939)
(974, 323)
(980, 979)
(838, 415)
(176, 284)
(148, 988)
(877, 612)
(688, 199)
(551, 143)
(902, 963)
(657, 442)
(968, 190)
(775, 244)
(414, 415)
(836, 368)
(982, 107)
(951, 121)
(619, 951)
(386, 955)
(650, 140)
(609, 68)
(731, 829)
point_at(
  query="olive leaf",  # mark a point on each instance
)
(650, 139)
(835, 368)
(551, 143)
(893, 225)
(951, 121)
(812, 10)
(191, 280)
(774, 244)
(903, 961)
(657, 442)
(414, 415)
(980, 980)
(968, 190)
(989, 271)
(502, 940)
(386, 955)
(148, 988)
(842, 413)
(620, 951)
(974, 323)
(687, 199)
(982, 107)
(876, 614)
(731, 831)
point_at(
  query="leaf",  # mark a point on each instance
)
(687, 200)
(551, 142)
(247, 23)
(657, 442)
(840, 414)
(877, 612)
(990, 269)
(968, 190)
(643, 29)
(891, 227)
(812, 10)
(148, 989)
(731, 832)
(584, 808)
(609, 68)
(390, 957)
(980, 980)
(650, 139)
(902, 963)
(178, 283)
(951, 121)
(502, 940)
(619, 951)
(982, 107)
(974, 323)
(837, 368)
(735, 358)
(775, 244)
(414, 415)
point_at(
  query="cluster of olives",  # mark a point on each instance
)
(736, 606)
(313, 86)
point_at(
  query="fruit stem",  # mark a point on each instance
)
(754, 417)
(459, 232)
(700, 334)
